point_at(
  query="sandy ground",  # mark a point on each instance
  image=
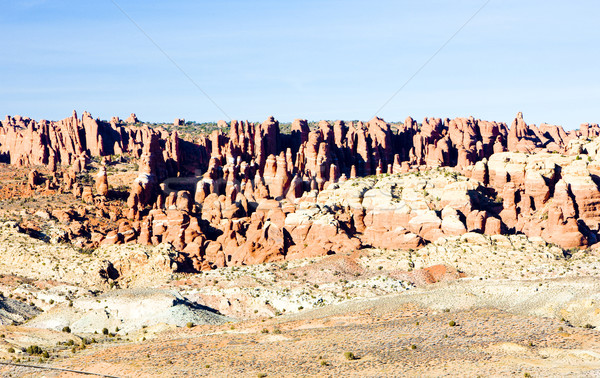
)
(392, 335)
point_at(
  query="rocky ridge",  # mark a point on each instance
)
(254, 194)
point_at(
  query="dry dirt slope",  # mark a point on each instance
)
(395, 335)
(507, 311)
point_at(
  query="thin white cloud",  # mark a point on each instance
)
(28, 4)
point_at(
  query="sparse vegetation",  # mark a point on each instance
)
(34, 350)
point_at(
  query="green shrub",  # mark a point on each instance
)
(34, 350)
(350, 356)
(105, 331)
(66, 329)
(189, 324)
(452, 323)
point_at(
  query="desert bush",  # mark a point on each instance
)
(34, 350)
(350, 356)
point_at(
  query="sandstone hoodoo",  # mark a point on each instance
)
(135, 234)
(249, 193)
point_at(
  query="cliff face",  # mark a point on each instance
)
(24, 142)
(256, 194)
(371, 147)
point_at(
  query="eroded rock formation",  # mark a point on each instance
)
(253, 194)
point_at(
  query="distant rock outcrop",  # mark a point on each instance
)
(248, 193)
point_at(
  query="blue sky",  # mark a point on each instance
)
(301, 59)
